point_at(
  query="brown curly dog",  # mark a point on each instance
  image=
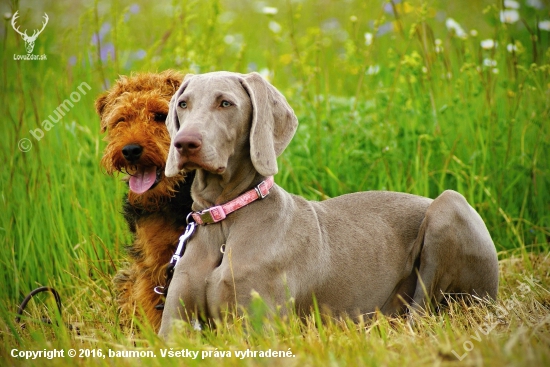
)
(133, 113)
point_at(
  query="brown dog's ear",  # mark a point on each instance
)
(172, 78)
(172, 124)
(273, 123)
(100, 103)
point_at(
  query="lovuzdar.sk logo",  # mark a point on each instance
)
(29, 40)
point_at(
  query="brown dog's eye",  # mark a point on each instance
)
(160, 117)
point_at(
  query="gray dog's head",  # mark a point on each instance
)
(213, 116)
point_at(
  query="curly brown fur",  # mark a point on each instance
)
(133, 114)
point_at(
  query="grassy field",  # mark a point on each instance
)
(389, 95)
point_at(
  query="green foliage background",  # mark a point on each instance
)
(419, 110)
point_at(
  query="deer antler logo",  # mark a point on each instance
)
(29, 40)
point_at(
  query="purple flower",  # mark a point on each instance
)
(134, 8)
(385, 28)
(105, 28)
(388, 8)
(139, 54)
(107, 51)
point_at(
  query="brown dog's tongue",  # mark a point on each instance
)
(143, 179)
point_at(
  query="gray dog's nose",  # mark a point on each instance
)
(188, 144)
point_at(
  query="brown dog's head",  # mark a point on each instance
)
(133, 113)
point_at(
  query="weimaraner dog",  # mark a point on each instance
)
(354, 253)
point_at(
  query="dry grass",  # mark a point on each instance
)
(514, 331)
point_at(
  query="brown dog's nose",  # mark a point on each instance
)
(132, 152)
(187, 144)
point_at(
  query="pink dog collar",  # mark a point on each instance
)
(218, 213)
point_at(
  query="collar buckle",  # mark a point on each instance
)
(211, 215)
(261, 189)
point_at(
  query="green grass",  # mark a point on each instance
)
(433, 117)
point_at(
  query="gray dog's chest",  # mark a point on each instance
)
(331, 249)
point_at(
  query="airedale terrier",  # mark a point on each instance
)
(133, 113)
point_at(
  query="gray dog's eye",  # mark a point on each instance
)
(183, 104)
(226, 104)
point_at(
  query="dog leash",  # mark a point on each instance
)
(184, 238)
(46, 320)
(211, 215)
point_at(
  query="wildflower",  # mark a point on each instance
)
(98, 37)
(134, 8)
(353, 19)
(229, 39)
(373, 70)
(265, 73)
(438, 48)
(537, 4)
(269, 10)
(509, 16)
(139, 54)
(368, 38)
(511, 48)
(488, 44)
(453, 25)
(473, 33)
(274, 26)
(544, 25)
(511, 4)
(107, 52)
(489, 62)
(385, 28)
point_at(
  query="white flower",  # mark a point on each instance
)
(488, 44)
(511, 48)
(537, 4)
(274, 26)
(473, 33)
(452, 24)
(438, 42)
(511, 4)
(353, 19)
(509, 16)
(270, 10)
(229, 39)
(489, 62)
(368, 38)
(373, 70)
(544, 25)
(495, 71)
(266, 74)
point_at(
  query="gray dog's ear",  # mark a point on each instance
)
(273, 123)
(172, 124)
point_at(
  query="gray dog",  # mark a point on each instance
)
(355, 253)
